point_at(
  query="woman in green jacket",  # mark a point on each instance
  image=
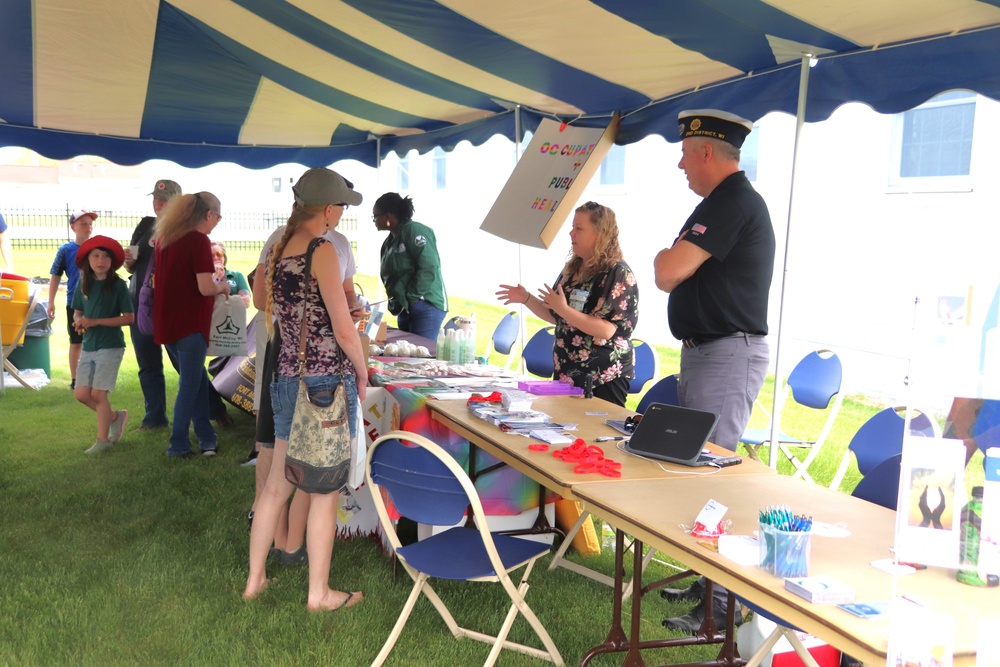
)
(411, 267)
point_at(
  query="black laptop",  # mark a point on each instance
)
(678, 435)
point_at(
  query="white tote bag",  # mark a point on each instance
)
(227, 337)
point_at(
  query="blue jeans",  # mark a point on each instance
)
(149, 356)
(191, 405)
(422, 319)
(284, 395)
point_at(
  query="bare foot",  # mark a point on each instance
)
(253, 590)
(335, 600)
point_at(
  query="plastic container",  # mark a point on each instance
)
(441, 350)
(969, 571)
(32, 353)
(784, 553)
(549, 388)
(13, 310)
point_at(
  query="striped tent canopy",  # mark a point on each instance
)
(261, 82)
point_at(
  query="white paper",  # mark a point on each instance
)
(551, 436)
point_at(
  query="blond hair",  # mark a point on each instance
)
(182, 214)
(300, 215)
(607, 252)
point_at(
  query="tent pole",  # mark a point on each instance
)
(520, 261)
(800, 119)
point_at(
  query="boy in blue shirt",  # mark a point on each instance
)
(82, 224)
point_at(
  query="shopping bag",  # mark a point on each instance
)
(227, 336)
(144, 313)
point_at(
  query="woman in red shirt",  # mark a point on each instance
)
(185, 290)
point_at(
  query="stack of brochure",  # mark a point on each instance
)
(496, 415)
(820, 589)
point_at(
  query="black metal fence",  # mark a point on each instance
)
(48, 228)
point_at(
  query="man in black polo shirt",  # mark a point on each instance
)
(718, 273)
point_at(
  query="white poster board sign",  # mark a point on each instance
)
(544, 187)
(931, 495)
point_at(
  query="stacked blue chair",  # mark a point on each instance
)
(814, 383)
(646, 366)
(881, 437)
(504, 336)
(664, 391)
(537, 353)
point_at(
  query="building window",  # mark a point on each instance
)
(276, 184)
(439, 169)
(613, 166)
(748, 154)
(403, 174)
(932, 144)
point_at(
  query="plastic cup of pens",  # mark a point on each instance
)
(784, 541)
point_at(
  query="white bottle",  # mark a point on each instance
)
(442, 346)
(470, 347)
(454, 349)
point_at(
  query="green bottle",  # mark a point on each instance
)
(968, 551)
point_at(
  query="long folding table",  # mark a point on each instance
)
(652, 510)
(558, 476)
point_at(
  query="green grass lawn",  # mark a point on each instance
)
(130, 558)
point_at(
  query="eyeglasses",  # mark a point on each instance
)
(593, 206)
(346, 206)
(376, 216)
(631, 423)
(217, 213)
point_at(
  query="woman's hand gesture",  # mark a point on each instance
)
(512, 294)
(553, 299)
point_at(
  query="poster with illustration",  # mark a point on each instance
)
(931, 495)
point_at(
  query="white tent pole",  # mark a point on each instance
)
(522, 319)
(800, 119)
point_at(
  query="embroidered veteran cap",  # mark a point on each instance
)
(320, 186)
(713, 124)
(165, 189)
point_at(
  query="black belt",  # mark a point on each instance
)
(695, 342)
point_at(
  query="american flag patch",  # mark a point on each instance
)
(699, 229)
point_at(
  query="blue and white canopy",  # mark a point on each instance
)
(259, 82)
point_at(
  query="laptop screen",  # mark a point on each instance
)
(672, 433)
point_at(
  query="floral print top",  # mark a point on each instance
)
(323, 356)
(612, 296)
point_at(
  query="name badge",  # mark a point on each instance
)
(578, 298)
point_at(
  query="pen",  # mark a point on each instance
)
(609, 438)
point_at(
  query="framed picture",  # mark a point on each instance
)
(931, 495)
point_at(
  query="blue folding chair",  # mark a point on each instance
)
(537, 353)
(426, 484)
(664, 391)
(504, 336)
(646, 364)
(813, 383)
(882, 437)
(880, 485)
